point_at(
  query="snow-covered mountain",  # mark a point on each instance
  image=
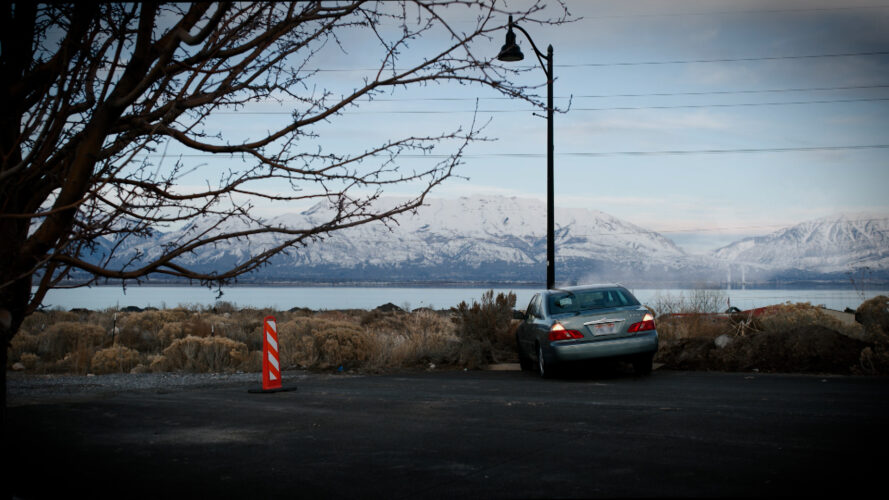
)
(500, 239)
(467, 239)
(829, 245)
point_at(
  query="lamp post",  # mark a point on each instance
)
(510, 52)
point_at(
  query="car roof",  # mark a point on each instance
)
(576, 288)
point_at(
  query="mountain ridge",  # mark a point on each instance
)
(501, 239)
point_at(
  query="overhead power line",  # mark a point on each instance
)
(676, 152)
(680, 152)
(743, 12)
(727, 59)
(649, 63)
(650, 94)
(615, 108)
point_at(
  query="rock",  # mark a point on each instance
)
(722, 340)
(389, 307)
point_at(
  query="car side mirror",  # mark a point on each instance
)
(518, 315)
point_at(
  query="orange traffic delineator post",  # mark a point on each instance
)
(271, 364)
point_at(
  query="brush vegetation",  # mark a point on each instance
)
(789, 338)
(224, 338)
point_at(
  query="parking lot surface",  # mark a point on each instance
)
(457, 434)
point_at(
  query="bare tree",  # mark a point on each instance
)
(95, 92)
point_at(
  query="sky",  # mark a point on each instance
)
(707, 121)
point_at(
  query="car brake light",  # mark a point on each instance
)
(559, 332)
(645, 325)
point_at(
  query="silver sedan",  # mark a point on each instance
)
(585, 323)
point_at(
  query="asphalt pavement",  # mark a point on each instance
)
(460, 434)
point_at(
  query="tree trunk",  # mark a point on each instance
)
(13, 308)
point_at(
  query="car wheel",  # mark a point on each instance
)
(524, 361)
(543, 368)
(642, 364)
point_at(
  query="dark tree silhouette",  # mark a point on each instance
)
(94, 92)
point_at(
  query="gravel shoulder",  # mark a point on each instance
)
(25, 389)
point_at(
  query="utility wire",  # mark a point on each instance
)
(734, 59)
(616, 108)
(650, 63)
(682, 152)
(652, 94)
(583, 154)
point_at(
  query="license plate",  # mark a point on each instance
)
(604, 328)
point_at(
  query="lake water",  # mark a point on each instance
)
(320, 298)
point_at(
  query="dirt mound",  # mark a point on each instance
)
(804, 349)
(874, 315)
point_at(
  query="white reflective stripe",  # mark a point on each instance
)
(274, 361)
(272, 325)
(272, 376)
(271, 341)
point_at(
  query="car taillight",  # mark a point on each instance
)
(646, 324)
(559, 332)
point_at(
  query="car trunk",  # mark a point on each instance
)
(604, 325)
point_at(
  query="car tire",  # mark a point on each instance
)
(544, 369)
(642, 364)
(524, 361)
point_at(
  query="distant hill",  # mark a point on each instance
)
(489, 239)
(830, 246)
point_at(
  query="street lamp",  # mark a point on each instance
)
(510, 52)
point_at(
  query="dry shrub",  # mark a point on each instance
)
(873, 314)
(140, 330)
(40, 320)
(410, 340)
(253, 362)
(24, 343)
(117, 359)
(343, 345)
(318, 342)
(30, 360)
(170, 332)
(698, 326)
(196, 326)
(486, 330)
(693, 302)
(197, 354)
(344, 316)
(296, 343)
(246, 326)
(224, 306)
(64, 338)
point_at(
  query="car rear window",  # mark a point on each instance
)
(585, 300)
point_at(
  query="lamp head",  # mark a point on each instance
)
(510, 51)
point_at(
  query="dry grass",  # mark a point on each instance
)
(202, 354)
(223, 338)
(789, 337)
(117, 359)
(419, 339)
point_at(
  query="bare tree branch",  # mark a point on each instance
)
(97, 92)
